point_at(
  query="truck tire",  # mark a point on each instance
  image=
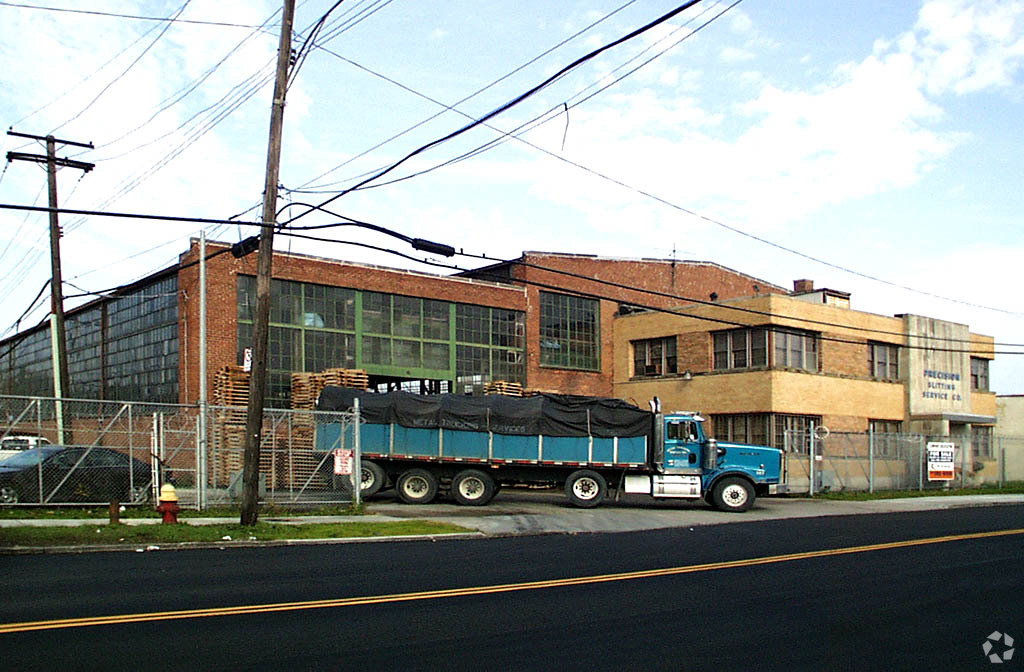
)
(585, 489)
(472, 487)
(417, 486)
(732, 494)
(372, 478)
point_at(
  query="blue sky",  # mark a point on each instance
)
(880, 137)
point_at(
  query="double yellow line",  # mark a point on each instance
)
(30, 626)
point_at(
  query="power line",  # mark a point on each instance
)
(622, 286)
(350, 221)
(123, 72)
(516, 135)
(654, 308)
(515, 101)
(159, 19)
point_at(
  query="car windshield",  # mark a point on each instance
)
(28, 458)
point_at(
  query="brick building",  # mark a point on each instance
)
(758, 366)
(544, 320)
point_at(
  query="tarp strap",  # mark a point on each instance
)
(589, 433)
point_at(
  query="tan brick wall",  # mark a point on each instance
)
(843, 358)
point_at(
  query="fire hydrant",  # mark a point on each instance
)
(168, 505)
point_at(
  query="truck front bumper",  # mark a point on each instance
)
(778, 488)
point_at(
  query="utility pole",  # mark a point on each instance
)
(58, 339)
(261, 320)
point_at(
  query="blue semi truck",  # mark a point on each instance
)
(469, 447)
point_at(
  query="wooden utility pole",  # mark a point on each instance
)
(58, 338)
(261, 320)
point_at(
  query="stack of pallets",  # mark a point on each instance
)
(504, 387)
(355, 378)
(306, 388)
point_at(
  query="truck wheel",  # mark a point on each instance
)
(732, 494)
(585, 488)
(417, 486)
(472, 488)
(372, 478)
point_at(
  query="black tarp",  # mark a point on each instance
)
(548, 414)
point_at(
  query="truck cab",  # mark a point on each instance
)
(687, 463)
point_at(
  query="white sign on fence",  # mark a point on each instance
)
(940, 461)
(342, 461)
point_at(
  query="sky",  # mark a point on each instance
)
(873, 147)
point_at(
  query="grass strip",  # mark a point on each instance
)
(139, 511)
(168, 534)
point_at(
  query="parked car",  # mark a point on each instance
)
(12, 445)
(50, 474)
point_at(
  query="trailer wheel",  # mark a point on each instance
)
(417, 486)
(585, 488)
(472, 488)
(372, 478)
(732, 494)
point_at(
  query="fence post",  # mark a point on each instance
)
(810, 468)
(1002, 463)
(357, 462)
(921, 463)
(965, 446)
(871, 459)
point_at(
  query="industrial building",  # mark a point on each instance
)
(761, 365)
(758, 358)
(544, 320)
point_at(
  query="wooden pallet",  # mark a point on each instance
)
(504, 387)
(355, 378)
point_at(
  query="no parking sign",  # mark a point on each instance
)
(342, 461)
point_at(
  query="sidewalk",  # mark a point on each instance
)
(540, 513)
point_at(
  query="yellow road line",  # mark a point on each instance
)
(482, 590)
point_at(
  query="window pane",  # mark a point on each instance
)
(758, 347)
(435, 355)
(568, 331)
(739, 349)
(376, 313)
(406, 316)
(406, 353)
(721, 350)
(436, 319)
(377, 350)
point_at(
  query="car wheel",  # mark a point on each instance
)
(8, 495)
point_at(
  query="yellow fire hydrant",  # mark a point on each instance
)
(168, 505)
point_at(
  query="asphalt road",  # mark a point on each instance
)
(709, 597)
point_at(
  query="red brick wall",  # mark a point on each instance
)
(222, 288)
(677, 281)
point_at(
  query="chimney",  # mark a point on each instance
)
(803, 286)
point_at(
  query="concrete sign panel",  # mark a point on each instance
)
(938, 380)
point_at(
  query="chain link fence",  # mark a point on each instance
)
(60, 451)
(822, 461)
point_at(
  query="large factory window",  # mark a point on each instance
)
(569, 332)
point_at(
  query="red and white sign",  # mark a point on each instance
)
(941, 465)
(342, 462)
